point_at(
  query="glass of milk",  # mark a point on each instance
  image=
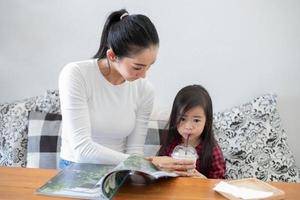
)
(185, 152)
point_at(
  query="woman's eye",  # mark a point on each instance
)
(137, 68)
(182, 119)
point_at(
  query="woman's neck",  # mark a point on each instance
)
(109, 72)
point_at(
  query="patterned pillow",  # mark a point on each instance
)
(13, 131)
(44, 141)
(253, 142)
(49, 102)
(14, 126)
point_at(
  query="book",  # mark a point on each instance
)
(249, 188)
(98, 181)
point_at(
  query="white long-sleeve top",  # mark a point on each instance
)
(101, 122)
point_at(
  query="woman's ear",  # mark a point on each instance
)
(110, 54)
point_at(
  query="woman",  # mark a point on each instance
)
(106, 102)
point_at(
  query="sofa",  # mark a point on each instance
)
(251, 136)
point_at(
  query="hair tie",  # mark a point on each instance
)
(124, 15)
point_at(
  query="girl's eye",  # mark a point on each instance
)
(182, 119)
(197, 120)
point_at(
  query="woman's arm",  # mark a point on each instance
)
(76, 124)
(136, 140)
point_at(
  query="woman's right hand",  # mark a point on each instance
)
(191, 173)
(167, 163)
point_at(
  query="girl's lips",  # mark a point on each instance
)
(186, 135)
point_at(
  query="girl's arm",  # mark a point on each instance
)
(218, 166)
(167, 163)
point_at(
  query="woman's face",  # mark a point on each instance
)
(135, 67)
(192, 123)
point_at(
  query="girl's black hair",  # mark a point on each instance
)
(127, 36)
(186, 99)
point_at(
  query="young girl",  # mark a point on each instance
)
(192, 117)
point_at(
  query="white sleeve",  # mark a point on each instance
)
(76, 125)
(136, 140)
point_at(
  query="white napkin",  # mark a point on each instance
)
(241, 192)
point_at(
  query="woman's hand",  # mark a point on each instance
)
(167, 163)
(191, 173)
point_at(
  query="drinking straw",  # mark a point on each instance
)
(187, 143)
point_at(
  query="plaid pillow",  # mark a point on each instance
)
(44, 140)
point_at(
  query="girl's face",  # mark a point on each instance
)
(133, 68)
(192, 123)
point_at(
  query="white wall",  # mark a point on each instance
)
(236, 49)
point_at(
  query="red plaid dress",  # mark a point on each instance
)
(217, 168)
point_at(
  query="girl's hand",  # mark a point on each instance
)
(167, 163)
(191, 173)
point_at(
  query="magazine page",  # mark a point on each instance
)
(111, 182)
(80, 180)
(136, 163)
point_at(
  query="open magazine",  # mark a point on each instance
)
(97, 181)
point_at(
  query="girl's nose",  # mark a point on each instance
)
(188, 124)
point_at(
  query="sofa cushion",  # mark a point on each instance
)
(155, 136)
(49, 102)
(13, 131)
(254, 143)
(14, 125)
(44, 140)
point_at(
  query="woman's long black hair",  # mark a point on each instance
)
(126, 35)
(186, 99)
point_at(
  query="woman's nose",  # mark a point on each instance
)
(141, 74)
